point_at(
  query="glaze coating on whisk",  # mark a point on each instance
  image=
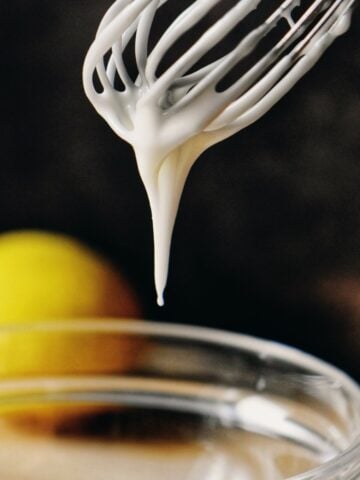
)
(170, 117)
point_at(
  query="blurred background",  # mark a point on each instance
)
(267, 240)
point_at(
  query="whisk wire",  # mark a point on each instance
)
(209, 39)
(142, 39)
(184, 22)
(341, 7)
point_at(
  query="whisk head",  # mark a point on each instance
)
(176, 53)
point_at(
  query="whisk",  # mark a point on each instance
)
(171, 114)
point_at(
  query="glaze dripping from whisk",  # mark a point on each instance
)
(172, 118)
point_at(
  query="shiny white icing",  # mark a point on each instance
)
(172, 118)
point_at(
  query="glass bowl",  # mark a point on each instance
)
(134, 400)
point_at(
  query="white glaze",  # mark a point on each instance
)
(171, 119)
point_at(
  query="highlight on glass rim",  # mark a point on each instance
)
(250, 368)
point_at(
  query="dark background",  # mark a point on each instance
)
(267, 240)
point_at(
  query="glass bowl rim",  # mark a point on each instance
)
(212, 336)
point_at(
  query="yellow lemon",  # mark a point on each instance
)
(50, 277)
(44, 275)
